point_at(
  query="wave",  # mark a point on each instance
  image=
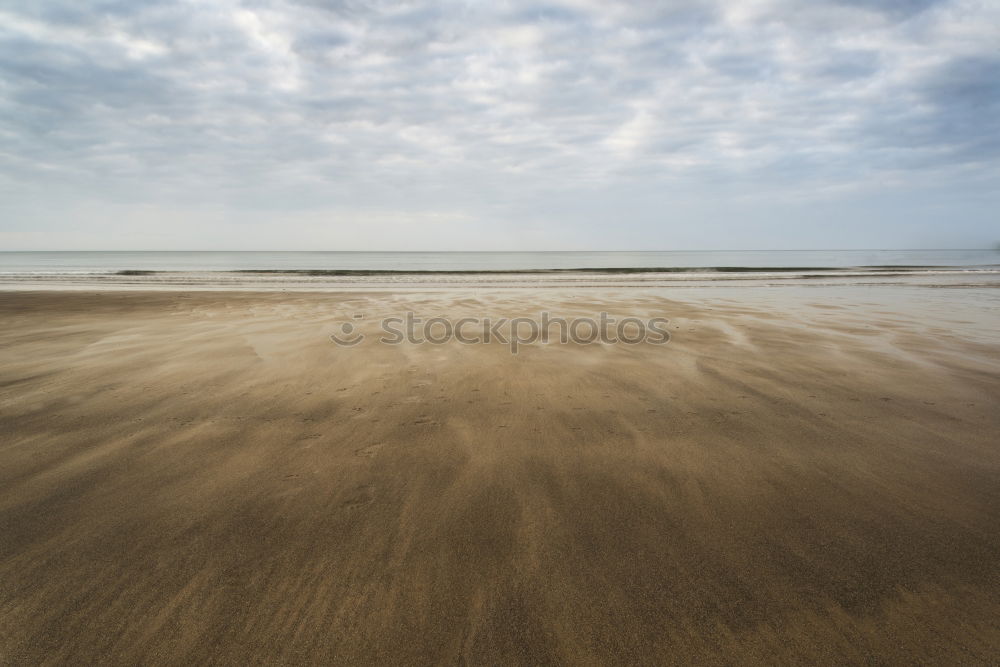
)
(881, 270)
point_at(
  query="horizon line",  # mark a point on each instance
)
(994, 248)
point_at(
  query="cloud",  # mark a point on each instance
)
(501, 111)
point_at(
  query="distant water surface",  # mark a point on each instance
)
(112, 262)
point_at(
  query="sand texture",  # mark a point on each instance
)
(204, 478)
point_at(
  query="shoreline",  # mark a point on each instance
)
(337, 280)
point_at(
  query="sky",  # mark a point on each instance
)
(469, 125)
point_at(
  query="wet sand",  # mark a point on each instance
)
(203, 477)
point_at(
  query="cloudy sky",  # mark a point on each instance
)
(569, 124)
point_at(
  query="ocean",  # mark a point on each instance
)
(69, 263)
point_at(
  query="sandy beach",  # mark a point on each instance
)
(204, 477)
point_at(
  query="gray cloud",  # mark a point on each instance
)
(902, 9)
(495, 121)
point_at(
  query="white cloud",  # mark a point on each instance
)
(501, 110)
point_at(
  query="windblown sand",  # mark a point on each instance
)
(193, 478)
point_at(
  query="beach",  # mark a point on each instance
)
(800, 474)
(499, 334)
